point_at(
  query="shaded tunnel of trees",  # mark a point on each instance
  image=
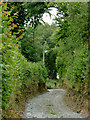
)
(25, 38)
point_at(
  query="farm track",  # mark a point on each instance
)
(49, 105)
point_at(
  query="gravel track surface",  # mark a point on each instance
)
(49, 105)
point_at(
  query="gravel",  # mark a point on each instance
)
(49, 105)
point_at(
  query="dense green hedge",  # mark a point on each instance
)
(72, 56)
(20, 74)
(17, 73)
(73, 69)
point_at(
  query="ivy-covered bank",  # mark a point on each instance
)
(18, 75)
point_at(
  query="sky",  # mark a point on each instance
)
(46, 17)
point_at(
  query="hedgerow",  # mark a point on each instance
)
(17, 73)
(72, 56)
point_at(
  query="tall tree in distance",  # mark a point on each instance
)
(32, 43)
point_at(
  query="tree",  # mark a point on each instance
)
(71, 60)
(35, 11)
(32, 43)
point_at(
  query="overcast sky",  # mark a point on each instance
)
(47, 18)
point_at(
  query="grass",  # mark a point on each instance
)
(54, 113)
(51, 84)
(50, 110)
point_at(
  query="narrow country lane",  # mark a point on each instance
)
(49, 105)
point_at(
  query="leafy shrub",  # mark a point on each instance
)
(17, 73)
(72, 36)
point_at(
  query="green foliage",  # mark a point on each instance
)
(35, 11)
(34, 72)
(18, 14)
(66, 42)
(33, 40)
(17, 73)
(72, 57)
(52, 83)
(31, 48)
(50, 62)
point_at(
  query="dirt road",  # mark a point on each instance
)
(49, 105)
